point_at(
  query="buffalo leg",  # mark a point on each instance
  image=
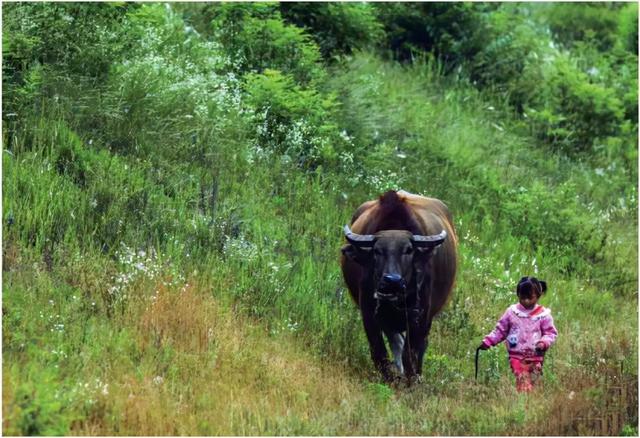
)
(426, 344)
(376, 343)
(396, 341)
(412, 354)
(416, 346)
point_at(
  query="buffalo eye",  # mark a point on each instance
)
(408, 250)
(377, 251)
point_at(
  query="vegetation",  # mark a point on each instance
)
(175, 180)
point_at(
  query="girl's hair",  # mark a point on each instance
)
(526, 285)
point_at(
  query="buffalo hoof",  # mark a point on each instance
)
(391, 374)
(416, 379)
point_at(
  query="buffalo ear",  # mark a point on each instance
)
(361, 255)
(349, 251)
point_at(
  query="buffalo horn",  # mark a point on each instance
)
(429, 241)
(358, 239)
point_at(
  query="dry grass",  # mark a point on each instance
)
(11, 254)
(597, 402)
(226, 376)
(8, 404)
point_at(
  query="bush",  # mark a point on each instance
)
(512, 60)
(45, 43)
(572, 100)
(256, 38)
(454, 32)
(595, 23)
(572, 113)
(628, 27)
(78, 37)
(170, 92)
(338, 28)
(290, 120)
(41, 404)
(553, 220)
(70, 39)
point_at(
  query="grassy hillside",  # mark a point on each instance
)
(174, 186)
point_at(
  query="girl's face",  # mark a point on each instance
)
(528, 301)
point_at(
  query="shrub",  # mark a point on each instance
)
(69, 43)
(616, 70)
(628, 27)
(59, 58)
(511, 62)
(172, 89)
(256, 38)
(592, 22)
(78, 37)
(338, 28)
(553, 220)
(40, 404)
(290, 120)
(572, 113)
(454, 32)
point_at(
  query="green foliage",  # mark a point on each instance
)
(96, 200)
(616, 70)
(452, 31)
(40, 407)
(575, 113)
(338, 28)
(57, 41)
(170, 92)
(58, 33)
(511, 62)
(573, 101)
(628, 27)
(42, 206)
(256, 38)
(295, 122)
(595, 23)
(552, 221)
(380, 393)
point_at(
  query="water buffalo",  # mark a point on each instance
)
(400, 267)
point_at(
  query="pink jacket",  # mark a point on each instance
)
(523, 329)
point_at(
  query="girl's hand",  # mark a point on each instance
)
(483, 346)
(541, 346)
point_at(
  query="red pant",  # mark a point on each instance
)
(527, 373)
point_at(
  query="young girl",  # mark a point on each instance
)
(529, 331)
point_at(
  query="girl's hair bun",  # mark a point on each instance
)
(543, 284)
(527, 283)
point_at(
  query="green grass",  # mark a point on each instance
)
(189, 284)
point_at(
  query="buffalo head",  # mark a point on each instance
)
(392, 259)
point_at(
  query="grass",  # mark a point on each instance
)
(182, 351)
(221, 373)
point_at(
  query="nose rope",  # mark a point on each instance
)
(392, 299)
(380, 296)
